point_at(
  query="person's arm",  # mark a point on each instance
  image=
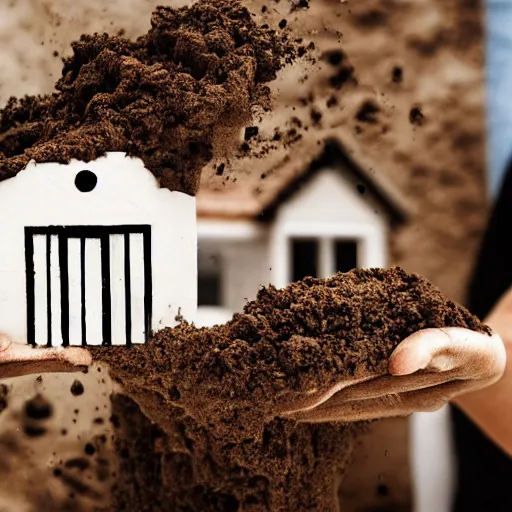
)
(491, 408)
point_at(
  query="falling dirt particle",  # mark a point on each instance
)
(367, 112)
(397, 75)
(333, 57)
(34, 430)
(416, 116)
(250, 132)
(38, 408)
(264, 9)
(89, 449)
(282, 24)
(341, 77)
(316, 116)
(300, 4)
(4, 393)
(77, 463)
(77, 388)
(63, 432)
(332, 102)
(57, 472)
(55, 53)
(220, 169)
(295, 121)
(361, 189)
(371, 19)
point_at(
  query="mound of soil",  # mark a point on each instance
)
(169, 97)
(210, 393)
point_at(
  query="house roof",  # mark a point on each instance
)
(258, 192)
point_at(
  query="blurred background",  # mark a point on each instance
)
(388, 166)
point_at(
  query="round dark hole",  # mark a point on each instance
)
(85, 181)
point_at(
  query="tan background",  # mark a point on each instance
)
(439, 166)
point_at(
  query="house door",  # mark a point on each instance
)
(88, 285)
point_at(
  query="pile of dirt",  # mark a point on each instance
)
(189, 468)
(170, 97)
(212, 392)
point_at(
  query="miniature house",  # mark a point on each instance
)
(327, 216)
(97, 254)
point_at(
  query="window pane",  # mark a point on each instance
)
(304, 259)
(209, 291)
(209, 279)
(346, 255)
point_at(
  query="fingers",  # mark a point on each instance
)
(292, 403)
(469, 354)
(386, 406)
(17, 359)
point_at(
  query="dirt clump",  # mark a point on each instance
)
(188, 468)
(77, 388)
(170, 97)
(211, 392)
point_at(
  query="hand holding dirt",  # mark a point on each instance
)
(425, 371)
(277, 390)
(358, 346)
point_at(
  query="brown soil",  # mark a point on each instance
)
(211, 392)
(169, 97)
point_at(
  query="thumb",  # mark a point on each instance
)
(477, 355)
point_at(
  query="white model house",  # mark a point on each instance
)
(92, 253)
(329, 215)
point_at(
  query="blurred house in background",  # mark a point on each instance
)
(331, 216)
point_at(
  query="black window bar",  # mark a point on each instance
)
(64, 233)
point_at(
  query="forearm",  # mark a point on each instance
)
(491, 408)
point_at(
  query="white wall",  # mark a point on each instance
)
(247, 269)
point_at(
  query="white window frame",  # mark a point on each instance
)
(372, 247)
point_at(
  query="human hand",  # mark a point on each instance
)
(17, 359)
(425, 371)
